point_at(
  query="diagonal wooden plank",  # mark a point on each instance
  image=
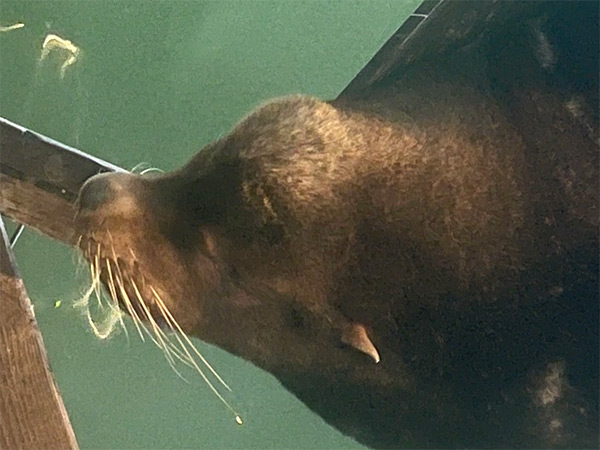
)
(32, 414)
(40, 178)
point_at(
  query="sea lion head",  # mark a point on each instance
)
(196, 248)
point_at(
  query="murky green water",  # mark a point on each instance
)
(153, 81)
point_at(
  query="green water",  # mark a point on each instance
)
(154, 81)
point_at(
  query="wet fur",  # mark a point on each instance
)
(455, 218)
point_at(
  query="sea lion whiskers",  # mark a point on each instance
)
(96, 266)
(176, 328)
(138, 322)
(178, 332)
(83, 302)
(144, 168)
(169, 352)
(113, 292)
(79, 258)
(128, 304)
(161, 339)
(115, 313)
(117, 280)
(113, 295)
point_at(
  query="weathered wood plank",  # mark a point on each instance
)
(26, 203)
(32, 414)
(40, 178)
(39, 181)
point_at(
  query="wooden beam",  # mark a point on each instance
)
(32, 414)
(40, 179)
(39, 182)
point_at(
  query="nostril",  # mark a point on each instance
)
(95, 192)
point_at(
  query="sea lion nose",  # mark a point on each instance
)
(96, 191)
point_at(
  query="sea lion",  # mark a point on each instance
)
(419, 266)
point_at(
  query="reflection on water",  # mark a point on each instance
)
(15, 26)
(64, 48)
(55, 93)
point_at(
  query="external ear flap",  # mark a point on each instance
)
(355, 335)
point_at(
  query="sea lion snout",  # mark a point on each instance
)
(109, 194)
(126, 240)
(98, 190)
